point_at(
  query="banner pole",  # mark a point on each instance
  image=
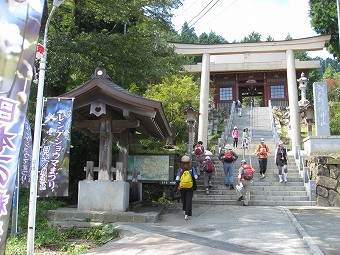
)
(37, 138)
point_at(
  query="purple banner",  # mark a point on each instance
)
(26, 157)
(55, 148)
(19, 29)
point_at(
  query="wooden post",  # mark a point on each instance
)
(105, 148)
(120, 171)
(89, 170)
(124, 152)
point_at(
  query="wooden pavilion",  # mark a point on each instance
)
(104, 110)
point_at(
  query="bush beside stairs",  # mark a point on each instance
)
(264, 192)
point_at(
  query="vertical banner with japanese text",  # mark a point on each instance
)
(26, 157)
(55, 148)
(19, 30)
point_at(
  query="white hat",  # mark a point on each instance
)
(208, 153)
(281, 142)
(227, 147)
(207, 157)
(235, 127)
(262, 140)
(185, 159)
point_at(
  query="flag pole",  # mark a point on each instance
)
(37, 138)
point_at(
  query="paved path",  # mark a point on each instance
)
(227, 229)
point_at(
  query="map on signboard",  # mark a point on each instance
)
(148, 168)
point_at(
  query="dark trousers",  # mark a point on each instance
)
(263, 165)
(186, 197)
(235, 142)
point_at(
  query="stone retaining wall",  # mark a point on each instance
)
(326, 172)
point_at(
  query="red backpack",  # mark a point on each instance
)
(228, 155)
(210, 166)
(248, 173)
(198, 149)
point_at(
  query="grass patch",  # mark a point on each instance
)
(50, 240)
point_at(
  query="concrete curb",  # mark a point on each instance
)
(306, 238)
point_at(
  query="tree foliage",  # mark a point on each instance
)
(324, 20)
(253, 37)
(176, 93)
(128, 37)
(332, 78)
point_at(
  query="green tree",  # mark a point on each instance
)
(289, 37)
(176, 94)
(253, 37)
(128, 37)
(212, 38)
(325, 21)
(188, 34)
(270, 39)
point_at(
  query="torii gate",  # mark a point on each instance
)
(248, 49)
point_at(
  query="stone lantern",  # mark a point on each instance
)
(303, 87)
(308, 111)
(191, 118)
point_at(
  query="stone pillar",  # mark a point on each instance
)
(204, 100)
(321, 109)
(294, 110)
(105, 147)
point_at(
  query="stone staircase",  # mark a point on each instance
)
(264, 192)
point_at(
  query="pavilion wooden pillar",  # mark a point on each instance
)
(105, 147)
(124, 152)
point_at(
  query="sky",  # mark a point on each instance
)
(236, 19)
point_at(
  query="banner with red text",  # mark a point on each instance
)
(19, 30)
(55, 148)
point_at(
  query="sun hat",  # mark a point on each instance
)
(185, 159)
(243, 161)
(262, 140)
(207, 157)
(281, 142)
(235, 127)
(227, 147)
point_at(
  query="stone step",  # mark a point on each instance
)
(254, 192)
(256, 202)
(257, 188)
(264, 192)
(67, 217)
(253, 197)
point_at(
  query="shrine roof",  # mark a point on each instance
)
(122, 104)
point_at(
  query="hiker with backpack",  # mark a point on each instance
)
(244, 178)
(228, 157)
(236, 135)
(262, 151)
(186, 183)
(209, 170)
(199, 152)
(281, 161)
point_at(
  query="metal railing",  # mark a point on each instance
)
(272, 122)
(227, 129)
